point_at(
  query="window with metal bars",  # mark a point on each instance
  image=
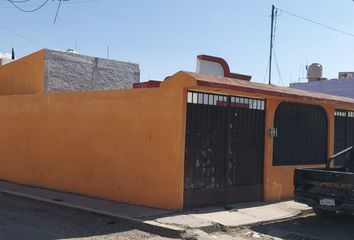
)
(343, 133)
(301, 134)
(223, 100)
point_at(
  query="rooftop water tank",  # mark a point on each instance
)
(314, 72)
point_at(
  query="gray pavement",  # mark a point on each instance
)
(311, 227)
(307, 227)
(22, 219)
(235, 215)
(172, 223)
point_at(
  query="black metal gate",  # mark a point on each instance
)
(343, 132)
(224, 149)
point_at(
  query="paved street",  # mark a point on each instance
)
(312, 227)
(22, 219)
(305, 228)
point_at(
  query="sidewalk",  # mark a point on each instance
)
(165, 222)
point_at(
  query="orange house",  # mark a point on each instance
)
(191, 140)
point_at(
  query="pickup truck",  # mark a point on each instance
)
(327, 190)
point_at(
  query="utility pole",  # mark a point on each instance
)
(271, 46)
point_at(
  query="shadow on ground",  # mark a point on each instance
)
(311, 228)
(23, 219)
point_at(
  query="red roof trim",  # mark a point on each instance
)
(269, 92)
(225, 67)
(148, 84)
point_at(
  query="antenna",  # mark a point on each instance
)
(13, 54)
(107, 52)
(271, 46)
(300, 71)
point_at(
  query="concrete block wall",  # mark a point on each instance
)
(70, 72)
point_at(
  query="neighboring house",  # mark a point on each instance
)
(194, 139)
(340, 87)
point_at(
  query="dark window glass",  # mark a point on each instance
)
(302, 135)
(343, 133)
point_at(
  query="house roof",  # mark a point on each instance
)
(265, 89)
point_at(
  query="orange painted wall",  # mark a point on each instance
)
(23, 76)
(125, 145)
(120, 145)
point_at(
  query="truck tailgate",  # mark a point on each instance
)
(316, 186)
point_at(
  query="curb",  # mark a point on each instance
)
(155, 227)
(147, 226)
(217, 227)
(307, 211)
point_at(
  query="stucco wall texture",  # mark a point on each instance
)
(124, 146)
(23, 76)
(70, 72)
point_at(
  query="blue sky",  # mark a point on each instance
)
(164, 36)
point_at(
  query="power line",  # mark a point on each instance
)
(71, 2)
(56, 14)
(20, 36)
(20, 1)
(277, 67)
(13, 3)
(317, 23)
(274, 52)
(266, 73)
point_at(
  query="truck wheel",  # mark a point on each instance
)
(324, 213)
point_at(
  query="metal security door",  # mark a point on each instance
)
(224, 149)
(246, 150)
(205, 155)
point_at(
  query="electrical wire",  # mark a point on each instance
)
(316, 23)
(71, 2)
(15, 3)
(19, 1)
(274, 52)
(278, 68)
(25, 10)
(266, 73)
(21, 36)
(56, 14)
